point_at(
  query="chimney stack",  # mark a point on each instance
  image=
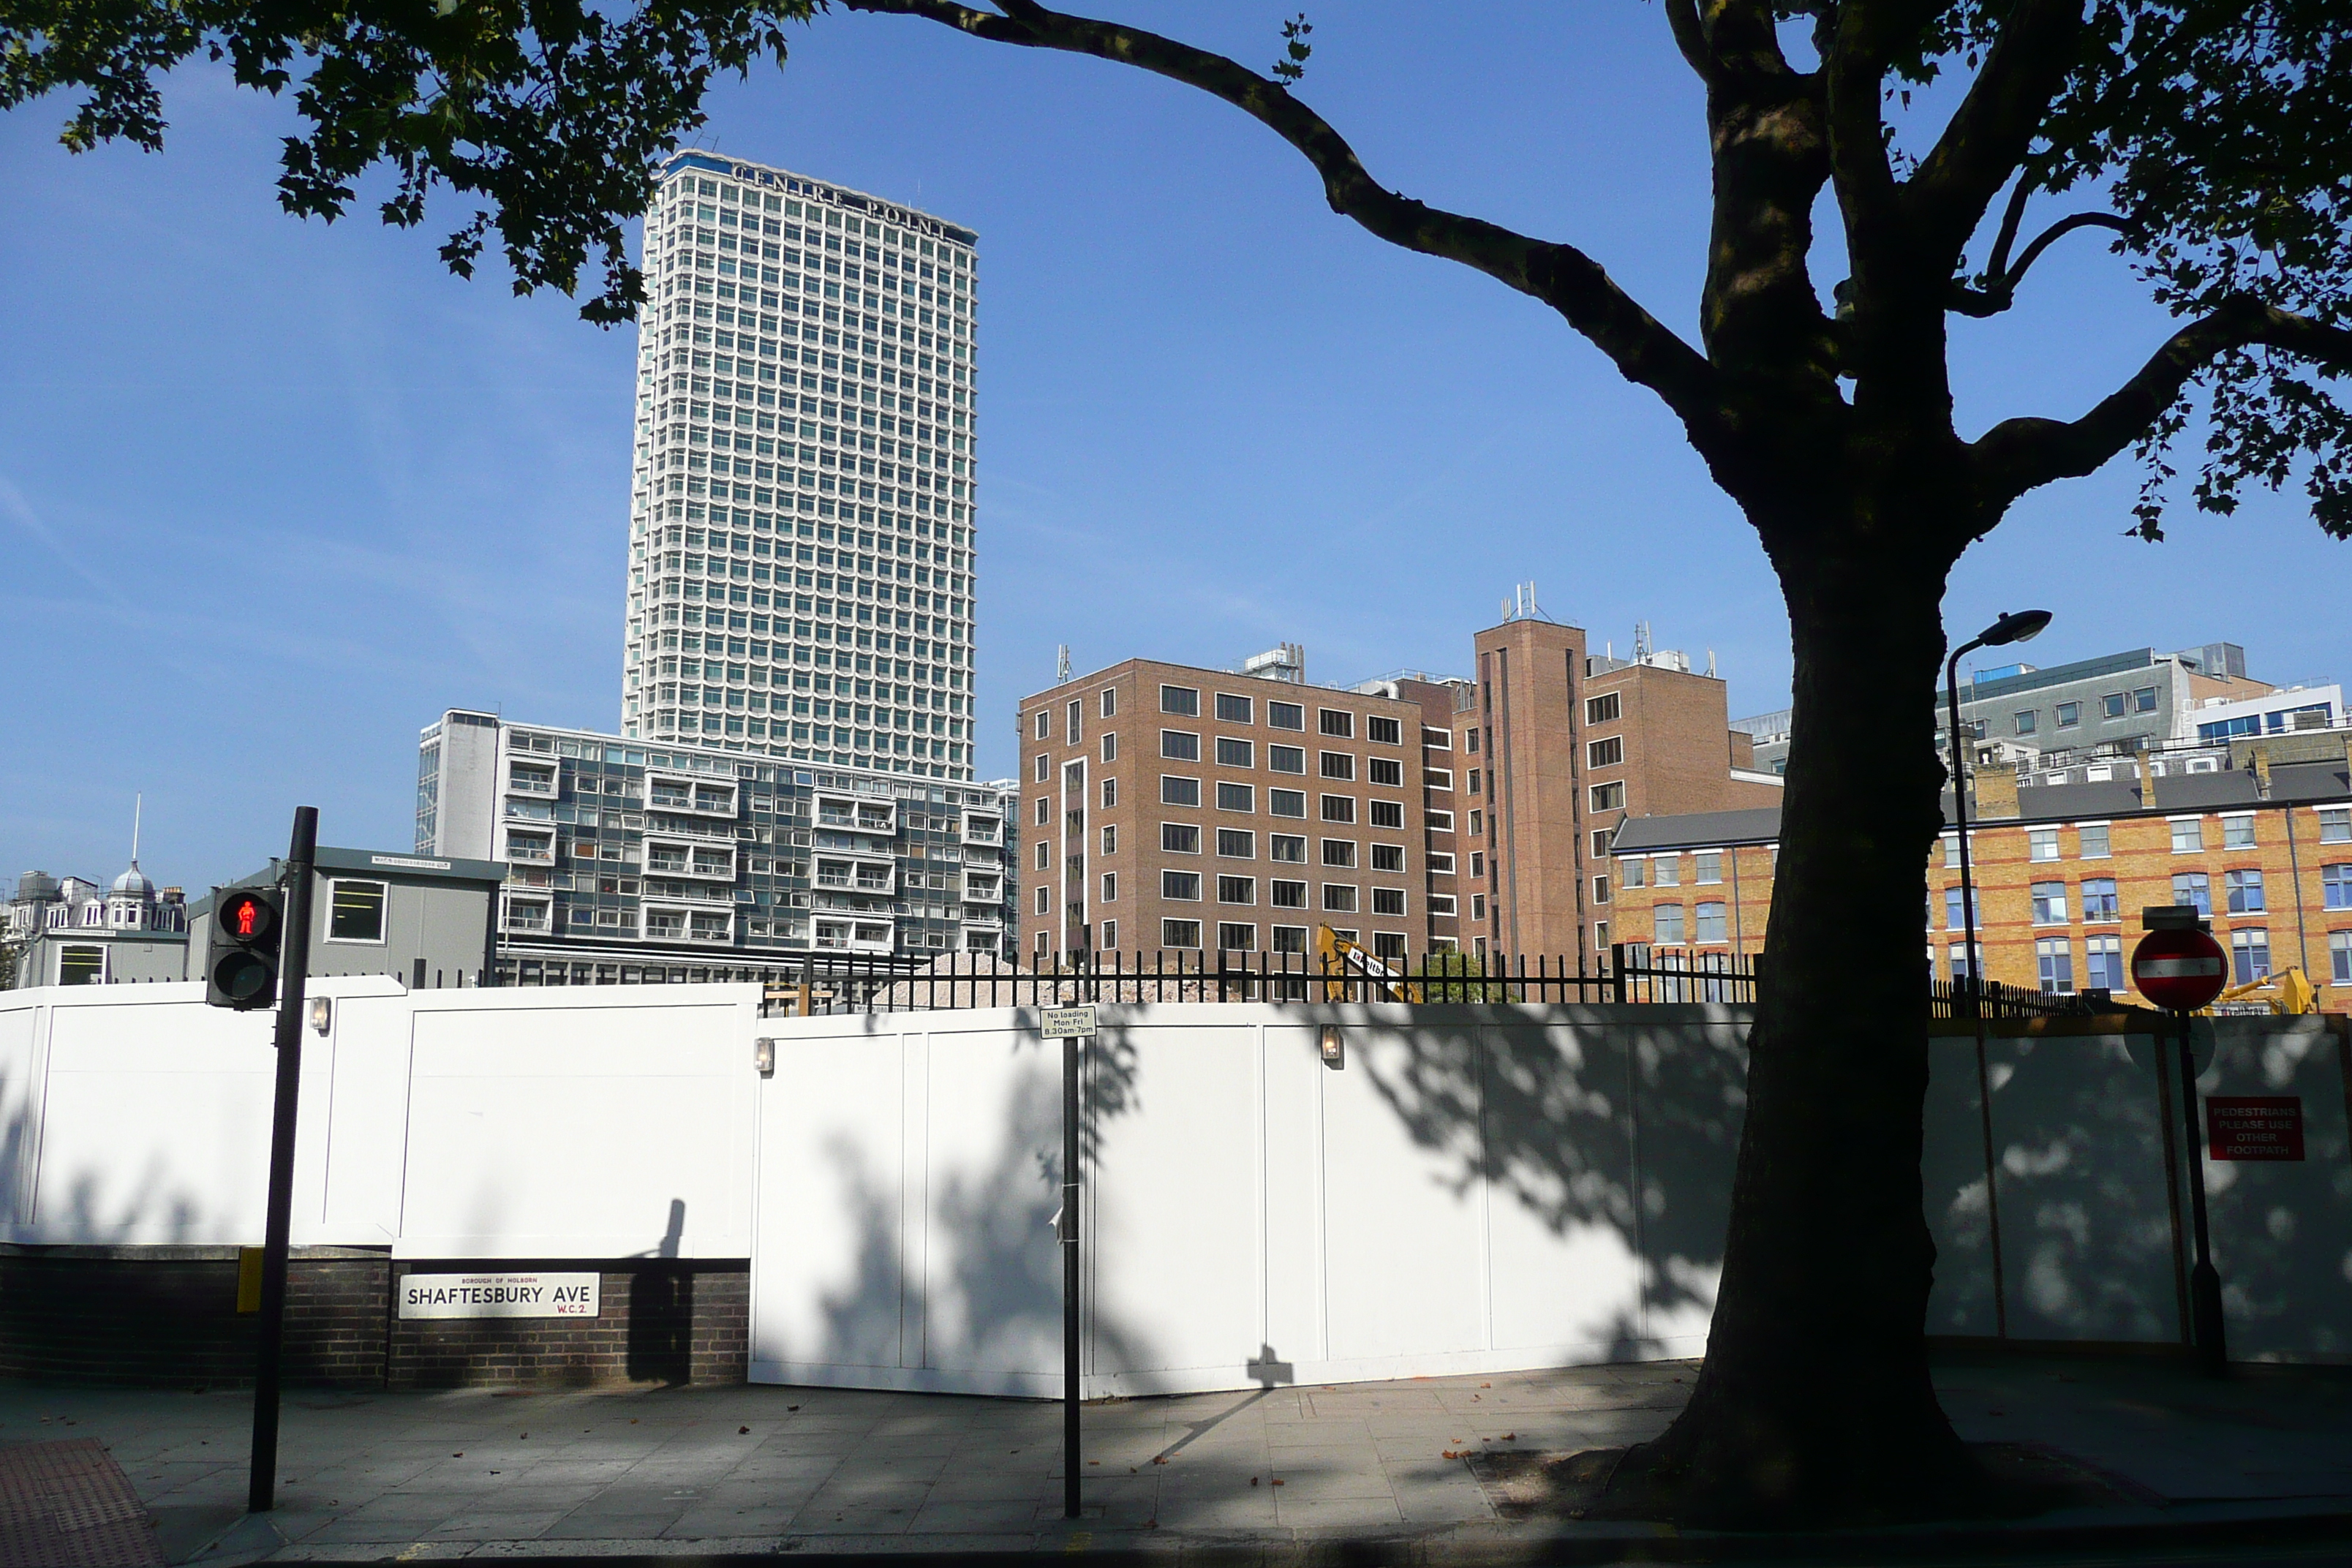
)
(1996, 791)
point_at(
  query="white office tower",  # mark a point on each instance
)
(801, 512)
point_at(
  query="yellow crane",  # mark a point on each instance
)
(2296, 993)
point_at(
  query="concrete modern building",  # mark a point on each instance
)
(66, 931)
(2257, 833)
(802, 521)
(2071, 721)
(627, 861)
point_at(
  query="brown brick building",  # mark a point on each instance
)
(1168, 806)
(1172, 808)
(2262, 841)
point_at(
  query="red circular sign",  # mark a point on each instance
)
(2183, 969)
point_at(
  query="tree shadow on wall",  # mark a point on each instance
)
(1633, 1128)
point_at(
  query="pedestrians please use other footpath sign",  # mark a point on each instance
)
(2254, 1127)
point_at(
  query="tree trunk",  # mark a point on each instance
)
(1814, 1402)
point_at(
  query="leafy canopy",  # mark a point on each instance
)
(2211, 141)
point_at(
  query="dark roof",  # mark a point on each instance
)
(1753, 825)
(2293, 783)
(389, 863)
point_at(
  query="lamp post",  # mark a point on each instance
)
(2022, 626)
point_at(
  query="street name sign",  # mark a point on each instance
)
(498, 1296)
(1065, 1022)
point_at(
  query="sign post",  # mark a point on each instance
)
(2179, 966)
(294, 967)
(1072, 1026)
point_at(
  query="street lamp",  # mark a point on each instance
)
(2023, 626)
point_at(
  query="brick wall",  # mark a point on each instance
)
(167, 1316)
(665, 1322)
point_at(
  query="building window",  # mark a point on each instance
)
(1110, 702)
(356, 911)
(1044, 897)
(1338, 808)
(1285, 716)
(1633, 871)
(1045, 853)
(1236, 936)
(1339, 852)
(1236, 844)
(1233, 753)
(2049, 903)
(79, 965)
(1287, 846)
(1236, 889)
(1110, 838)
(2243, 891)
(1109, 934)
(1384, 771)
(1442, 904)
(1957, 958)
(1951, 842)
(1437, 740)
(2238, 832)
(1233, 709)
(1605, 754)
(1600, 709)
(2053, 956)
(1235, 797)
(1287, 939)
(1666, 924)
(1077, 711)
(1602, 838)
(1180, 934)
(1045, 770)
(2336, 887)
(1440, 821)
(1336, 765)
(2144, 700)
(1388, 900)
(1176, 791)
(2340, 957)
(1383, 732)
(2188, 835)
(1286, 802)
(2093, 837)
(2069, 715)
(2335, 824)
(1477, 863)
(1666, 871)
(2112, 705)
(1335, 722)
(1286, 895)
(1600, 889)
(1184, 699)
(1110, 746)
(2099, 900)
(1286, 759)
(1111, 887)
(1183, 886)
(1710, 924)
(1609, 797)
(1044, 722)
(2250, 954)
(1387, 814)
(1955, 912)
(1707, 867)
(1388, 858)
(2102, 963)
(1338, 899)
(1180, 839)
(2193, 889)
(2042, 844)
(1436, 778)
(1180, 745)
(1109, 794)
(1477, 778)
(2024, 721)
(1440, 863)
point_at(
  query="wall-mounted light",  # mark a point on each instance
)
(1334, 1047)
(764, 1057)
(323, 1013)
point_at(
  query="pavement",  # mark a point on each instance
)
(1284, 1472)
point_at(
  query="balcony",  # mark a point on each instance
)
(667, 859)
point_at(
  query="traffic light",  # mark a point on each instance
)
(241, 958)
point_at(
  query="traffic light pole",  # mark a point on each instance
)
(293, 969)
(2204, 1280)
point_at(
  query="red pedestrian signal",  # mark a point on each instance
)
(242, 956)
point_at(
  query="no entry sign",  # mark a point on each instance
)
(2183, 969)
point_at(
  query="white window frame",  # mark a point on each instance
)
(383, 911)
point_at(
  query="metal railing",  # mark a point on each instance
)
(1952, 999)
(832, 982)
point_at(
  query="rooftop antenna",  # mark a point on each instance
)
(1641, 641)
(1710, 664)
(1061, 665)
(138, 809)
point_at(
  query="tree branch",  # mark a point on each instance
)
(1988, 135)
(1690, 37)
(1643, 349)
(2019, 455)
(2000, 291)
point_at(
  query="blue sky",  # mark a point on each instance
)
(275, 494)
